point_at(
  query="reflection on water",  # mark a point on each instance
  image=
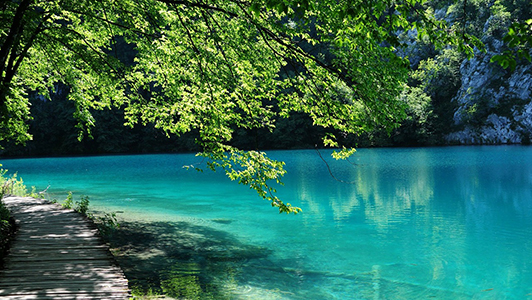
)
(455, 220)
(438, 223)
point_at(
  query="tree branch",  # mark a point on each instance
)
(113, 23)
(330, 170)
(15, 30)
(16, 59)
(199, 5)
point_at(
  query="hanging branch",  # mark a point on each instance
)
(329, 168)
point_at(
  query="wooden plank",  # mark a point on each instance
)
(52, 247)
(58, 237)
(61, 297)
(71, 274)
(61, 277)
(58, 254)
(76, 284)
(58, 264)
(66, 241)
(56, 259)
(69, 295)
(55, 251)
(71, 270)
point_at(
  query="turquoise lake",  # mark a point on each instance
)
(410, 223)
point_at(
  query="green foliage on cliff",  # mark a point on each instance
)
(519, 40)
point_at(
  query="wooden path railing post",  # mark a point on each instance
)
(57, 254)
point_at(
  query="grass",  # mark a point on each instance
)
(9, 185)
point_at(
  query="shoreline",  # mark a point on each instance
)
(174, 257)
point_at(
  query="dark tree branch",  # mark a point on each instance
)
(16, 59)
(329, 169)
(16, 29)
(96, 51)
(199, 5)
(196, 52)
(214, 35)
(295, 49)
(113, 23)
(7, 47)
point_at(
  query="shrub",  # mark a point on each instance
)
(69, 201)
(11, 185)
(82, 205)
(8, 186)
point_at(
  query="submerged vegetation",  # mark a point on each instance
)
(185, 261)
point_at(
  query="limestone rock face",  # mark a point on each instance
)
(498, 130)
(494, 105)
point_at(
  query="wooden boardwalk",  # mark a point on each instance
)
(57, 254)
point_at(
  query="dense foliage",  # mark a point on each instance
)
(226, 75)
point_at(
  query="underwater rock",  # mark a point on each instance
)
(222, 221)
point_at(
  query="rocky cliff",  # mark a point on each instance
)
(493, 105)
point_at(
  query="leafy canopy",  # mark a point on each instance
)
(214, 66)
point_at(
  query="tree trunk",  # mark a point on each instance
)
(7, 51)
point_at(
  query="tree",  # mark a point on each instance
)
(519, 40)
(215, 66)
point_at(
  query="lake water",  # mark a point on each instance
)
(419, 223)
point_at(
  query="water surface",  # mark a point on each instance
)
(418, 223)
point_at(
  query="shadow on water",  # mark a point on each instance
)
(185, 260)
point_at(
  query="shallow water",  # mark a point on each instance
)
(419, 223)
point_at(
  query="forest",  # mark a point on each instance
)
(449, 98)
